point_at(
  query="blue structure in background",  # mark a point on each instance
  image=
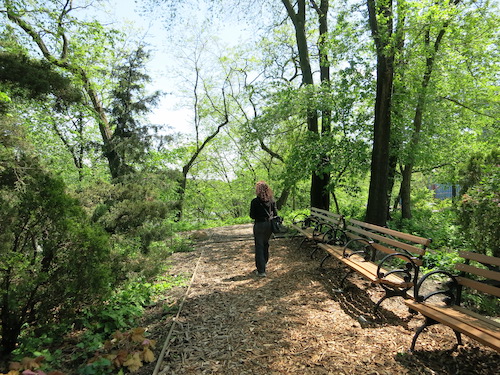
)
(442, 191)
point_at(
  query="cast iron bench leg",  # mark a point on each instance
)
(344, 278)
(428, 322)
(324, 259)
(312, 252)
(301, 243)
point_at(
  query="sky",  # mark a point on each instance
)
(168, 112)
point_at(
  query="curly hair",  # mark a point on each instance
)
(264, 192)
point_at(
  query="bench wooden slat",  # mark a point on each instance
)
(485, 288)
(484, 329)
(334, 219)
(336, 251)
(304, 231)
(464, 323)
(388, 250)
(478, 271)
(325, 213)
(405, 236)
(389, 241)
(322, 237)
(367, 269)
(382, 241)
(481, 258)
(318, 216)
(486, 320)
(466, 317)
(328, 219)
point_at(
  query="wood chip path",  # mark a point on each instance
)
(295, 320)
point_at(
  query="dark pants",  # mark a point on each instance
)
(262, 232)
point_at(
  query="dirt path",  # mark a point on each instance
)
(295, 321)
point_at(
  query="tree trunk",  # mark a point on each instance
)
(376, 211)
(326, 114)
(10, 321)
(281, 201)
(114, 160)
(381, 18)
(319, 180)
(418, 118)
(181, 192)
(405, 192)
(391, 177)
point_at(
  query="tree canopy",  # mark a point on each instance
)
(356, 106)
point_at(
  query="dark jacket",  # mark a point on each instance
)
(259, 210)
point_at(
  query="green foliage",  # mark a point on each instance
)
(131, 139)
(479, 208)
(4, 101)
(53, 260)
(100, 366)
(35, 79)
(133, 208)
(36, 345)
(96, 323)
(120, 311)
(484, 304)
(432, 218)
(128, 350)
(440, 259)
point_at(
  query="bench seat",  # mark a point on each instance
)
(449, 311)
(366, 269)
(483, 330)
(319, 226)
(385, 257)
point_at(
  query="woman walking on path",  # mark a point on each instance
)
(262, 209)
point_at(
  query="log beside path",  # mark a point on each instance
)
(295, 320)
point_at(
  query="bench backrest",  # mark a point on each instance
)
(488, 276)
(388, 241)
(336, 220)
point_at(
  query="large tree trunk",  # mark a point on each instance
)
(326, 114)
(381, 19)
(11, 326)
(376, 211)
(405, 191)
(319, 181)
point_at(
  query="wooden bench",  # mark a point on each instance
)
(479, 273)
(319, 226)
(384, 256)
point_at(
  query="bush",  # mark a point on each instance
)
(133, 209)
(435, 219)
(479, 208)
(52, 259)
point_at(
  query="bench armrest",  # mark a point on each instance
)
(448, 287)
(367, 251)
(337, 237)
(303, 220)
(407, 271)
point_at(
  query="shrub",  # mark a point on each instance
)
(133, 208)
(479, 208)
(52, 259)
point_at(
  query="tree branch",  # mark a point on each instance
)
(269, 151)
(469, 108)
